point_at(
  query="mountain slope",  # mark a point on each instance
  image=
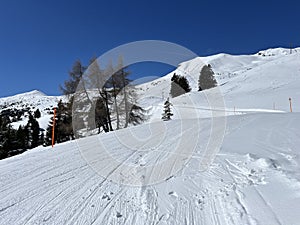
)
(242, 186)
(31, 101)
(246, 82)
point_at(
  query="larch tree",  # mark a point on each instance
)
(98, 78)
(75, 76)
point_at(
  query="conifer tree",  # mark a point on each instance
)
(21, 138)
(101, 117)
(4, 136)
(37, 114)
(32, 132)
(136, 115)
(167, 111)
(206, 78)
(179, 85)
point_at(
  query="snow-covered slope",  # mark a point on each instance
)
(254, 178)
(32, 101)
(264, 81)
(225, 67)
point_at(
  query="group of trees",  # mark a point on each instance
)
(180, 85)
(116, 97)
(63, 130)
(105, 97)
(14, 141)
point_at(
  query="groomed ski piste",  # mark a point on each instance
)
(254, 177)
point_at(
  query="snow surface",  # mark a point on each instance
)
(254, 178)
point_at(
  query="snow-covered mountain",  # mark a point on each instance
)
(33, 99)
(261, 82)
(252, 177)
(30, 102)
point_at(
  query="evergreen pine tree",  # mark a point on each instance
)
(136, 115)
(9, 144)
(48, 137)
(21, 138)
(3, 154)
(206, 78)
(179, 85)
(42, 137)
(37, 114)
(167, 111)
(101, 117)
(33, 132)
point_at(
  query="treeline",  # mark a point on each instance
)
(12, 141)
(102, 98)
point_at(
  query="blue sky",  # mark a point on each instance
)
(40, 40)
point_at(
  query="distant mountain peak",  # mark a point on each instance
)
(278, 51)
(34, 92)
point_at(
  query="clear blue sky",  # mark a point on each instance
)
(40, 40)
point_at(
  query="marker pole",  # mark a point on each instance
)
(291, 109)
(53, 127)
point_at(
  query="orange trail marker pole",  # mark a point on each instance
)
(291, 110)
(53, 127)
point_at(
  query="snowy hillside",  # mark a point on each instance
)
(261, 82)
(175, 172)
(31, 101)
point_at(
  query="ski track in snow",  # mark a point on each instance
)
(58, 187)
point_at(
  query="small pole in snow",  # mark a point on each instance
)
(53, 127)
(291, 110)
(234, 110)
